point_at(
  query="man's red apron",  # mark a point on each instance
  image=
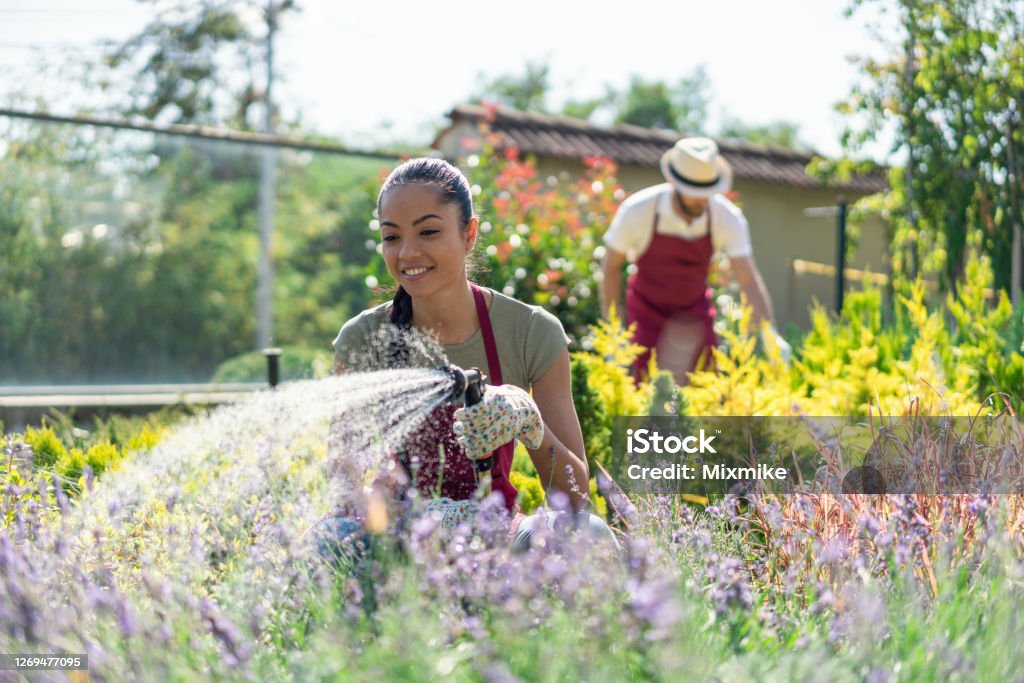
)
(671, 281)
(457, 478)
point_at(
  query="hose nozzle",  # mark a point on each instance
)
(467, 385)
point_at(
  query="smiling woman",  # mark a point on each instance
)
(427, 230)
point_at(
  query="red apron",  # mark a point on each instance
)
(457, 477)
(671, 281)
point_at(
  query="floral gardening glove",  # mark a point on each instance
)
(505, 413)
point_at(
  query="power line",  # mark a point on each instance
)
(203, 133)
(67, 10)
(50, 43)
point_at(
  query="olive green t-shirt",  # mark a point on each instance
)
(529, 339)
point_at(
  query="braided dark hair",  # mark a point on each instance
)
(452, 188)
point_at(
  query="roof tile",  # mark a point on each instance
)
(566, 138)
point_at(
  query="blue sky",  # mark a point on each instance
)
(370, 71)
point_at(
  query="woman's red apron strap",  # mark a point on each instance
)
(493, 364)
(503, 454)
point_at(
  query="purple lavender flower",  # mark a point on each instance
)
(655, 603)
(878, 676)
(730, 587)
(833, 551)
(226, 632)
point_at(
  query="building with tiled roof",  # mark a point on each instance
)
(560, 137)
(795, 252)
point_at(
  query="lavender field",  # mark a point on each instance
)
(192, 558)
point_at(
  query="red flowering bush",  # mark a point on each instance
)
(541, 235)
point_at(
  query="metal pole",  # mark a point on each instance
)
(1016, 265)
(840, 255)
(273, 366)
(268, 181)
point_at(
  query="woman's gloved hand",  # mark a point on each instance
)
(505, 413)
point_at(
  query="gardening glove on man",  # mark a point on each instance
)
(770, 337)
(505, 413)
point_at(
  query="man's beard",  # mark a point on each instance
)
(686, 209)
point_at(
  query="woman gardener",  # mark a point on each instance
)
(428, 230)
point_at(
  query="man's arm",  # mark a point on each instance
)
(744, 269)
(611, 282)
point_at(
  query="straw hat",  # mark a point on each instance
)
(695, 168)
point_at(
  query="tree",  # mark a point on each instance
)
(952, 89)
(526, 92)
(142, 250)
(655, 104)
(583, 109)
(645, 103)
(778, 134)
(196, 62)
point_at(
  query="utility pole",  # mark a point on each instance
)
(267, 196)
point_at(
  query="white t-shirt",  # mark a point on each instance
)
(630, 231)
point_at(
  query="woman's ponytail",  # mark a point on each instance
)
(401, 317)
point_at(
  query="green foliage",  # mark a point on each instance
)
(603, 388)
(46, 447)
(951, 84)
(783, 134)
(988, 340)
(127, 432)
(323, 220)
(71, 464)
(102, 457)
(583, 109)
(649, 103)
(848, 366)
(180, 65)
(609, 368)
(526, 92)
(70, 468)
(926, 361)
(664, 399)
(598, 504)
(531, 491)
(296, 362)
(62, 448)
(656, 104)
(521, 461)
(160, 288)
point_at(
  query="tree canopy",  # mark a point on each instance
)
(682, 106)
(951, 91)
